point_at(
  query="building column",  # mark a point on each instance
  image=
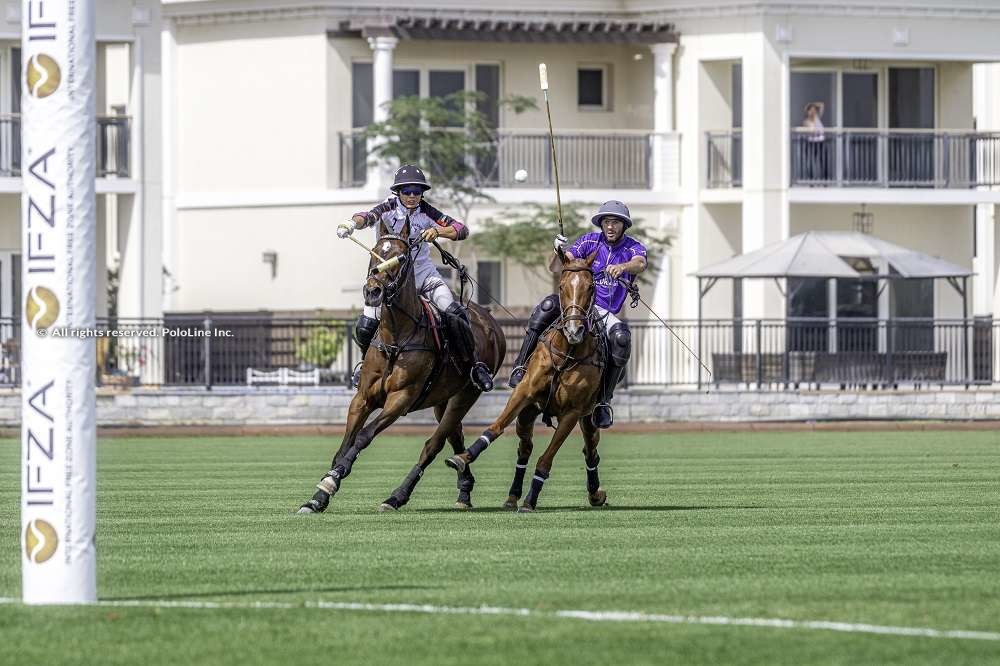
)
(382, 50)
(984, 264)
(765, 191)
(665, 148)
(168, 158)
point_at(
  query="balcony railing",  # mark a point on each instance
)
(844, 353)
(724, 156)
(895, 158)
(618, 159)
(113, 146)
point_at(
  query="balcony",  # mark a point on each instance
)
(724, 156)
(641, 160)
(869, 158)
(113, 146)
(895, 158)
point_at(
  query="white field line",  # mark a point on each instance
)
(589, 616)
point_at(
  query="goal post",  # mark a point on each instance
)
(58, 241)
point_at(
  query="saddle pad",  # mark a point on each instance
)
(434, 317)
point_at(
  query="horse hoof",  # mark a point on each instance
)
(457, 463)
(511, 503)
(391, 504)
(316, 504)
(526, 509)
(600, 498)
(463, 506)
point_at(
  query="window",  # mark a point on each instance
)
(911, 98)
(488, 277)
(592, 87)
(405, 83)
(446, 82)
(808, 304)
(488, 86)
(15, 80)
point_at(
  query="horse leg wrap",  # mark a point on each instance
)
(517, 485)
(402, 494)
(480, 445)
(330, 483)
(465, 484)
(537, 482)
(593, 478)
(466, 481)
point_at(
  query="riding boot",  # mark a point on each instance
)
(619, 343)
(604, 416)
(461, 332)
(543, 316)
(528, 345)
(364, 332)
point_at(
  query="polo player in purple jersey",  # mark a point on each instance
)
(618, 257)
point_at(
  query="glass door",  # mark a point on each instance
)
(860, 113)
(813, 109)
(911, 158)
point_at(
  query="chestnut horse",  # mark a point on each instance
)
(563, 380)
(407, 369)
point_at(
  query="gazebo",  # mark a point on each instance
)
(810, 351)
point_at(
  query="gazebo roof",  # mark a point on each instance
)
(824, 254)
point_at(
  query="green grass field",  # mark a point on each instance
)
(899, 529)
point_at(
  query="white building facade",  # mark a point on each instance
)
(129, 159)
(691, 113)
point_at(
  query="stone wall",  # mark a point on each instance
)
(273, 407)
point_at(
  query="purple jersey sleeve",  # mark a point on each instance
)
(585, 245)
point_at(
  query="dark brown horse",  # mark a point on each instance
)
(406, 369)
(563, 380)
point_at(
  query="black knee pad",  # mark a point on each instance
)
(365, 329)
(544, 314)
(620, 343)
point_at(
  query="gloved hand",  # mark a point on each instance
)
(344, 230)
(559, 242)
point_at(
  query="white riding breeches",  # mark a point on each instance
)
(609, 317)
(432, 284)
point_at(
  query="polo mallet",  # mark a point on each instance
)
(543, 78)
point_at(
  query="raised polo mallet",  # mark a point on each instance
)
(543, 78)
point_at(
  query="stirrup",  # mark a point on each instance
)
(481, 377)
(603, 416)
(516, 375)
(356, 375)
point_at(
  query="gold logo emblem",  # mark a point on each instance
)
(43, 75)
(40, 541)
(41, 308)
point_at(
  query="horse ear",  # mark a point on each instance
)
(405, 231)
(382, 229)
(590, 259)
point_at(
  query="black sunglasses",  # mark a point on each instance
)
(411, 191)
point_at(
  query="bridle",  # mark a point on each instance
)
(391, 288)
(585, 314)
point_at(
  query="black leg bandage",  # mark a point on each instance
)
(537, 481)
(517, 485)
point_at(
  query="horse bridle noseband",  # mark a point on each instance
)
(391, 287)
(586, 315)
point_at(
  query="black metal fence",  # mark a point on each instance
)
(622, 159)
(113, 146)
(724, 157)
(261, 350)
(896, 158)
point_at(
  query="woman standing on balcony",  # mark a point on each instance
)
(619, 257)
(427, 224)
(815, 146)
